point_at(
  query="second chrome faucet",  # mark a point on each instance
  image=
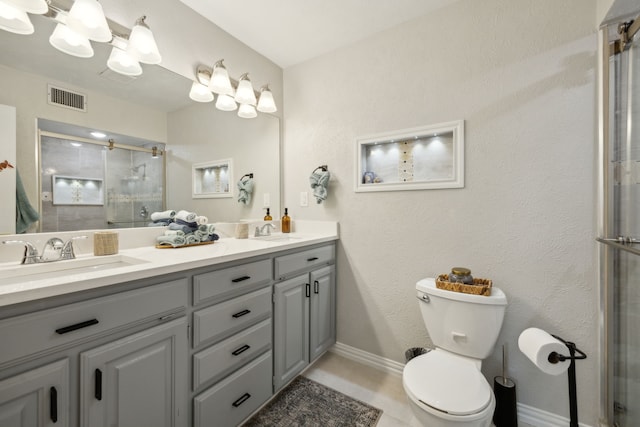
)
(54, 250)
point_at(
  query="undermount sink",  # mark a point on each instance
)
(279, 238)
(26, 273)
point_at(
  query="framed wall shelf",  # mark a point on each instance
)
(212, 179)
(422, 158)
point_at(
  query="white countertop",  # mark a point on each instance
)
(22, 283)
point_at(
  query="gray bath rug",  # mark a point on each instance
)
(306, 403)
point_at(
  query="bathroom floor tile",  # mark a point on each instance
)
(375, 387)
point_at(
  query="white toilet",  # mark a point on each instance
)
(445, 386)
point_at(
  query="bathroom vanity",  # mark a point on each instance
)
(193, 336)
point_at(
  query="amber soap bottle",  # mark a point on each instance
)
(267, 217)
(286, 222)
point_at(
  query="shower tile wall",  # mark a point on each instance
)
(60, 157)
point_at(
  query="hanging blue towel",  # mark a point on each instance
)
(25, 213)
(319, 182)
(245, 189)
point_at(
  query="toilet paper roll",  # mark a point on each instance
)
(537, 345)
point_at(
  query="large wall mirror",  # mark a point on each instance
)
(154, 107)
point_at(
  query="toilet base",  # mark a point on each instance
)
(431, 419)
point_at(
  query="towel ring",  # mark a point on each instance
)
(250, 175)
(324, 168)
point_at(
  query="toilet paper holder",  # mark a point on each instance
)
(557, 358)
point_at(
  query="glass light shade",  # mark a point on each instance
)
(266, 104)
(226, 103)
(68, 41)
(121, 62)
(87, 18)
(220, 82)
(14, 20)
(200, 93)
(244, 94)
(30, 6)
(142, 44)
(247, 111)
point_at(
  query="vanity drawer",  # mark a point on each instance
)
(236, 397)
(33, 333)
(226, 318)
(218, 285)
(289, 265)
(219, 360)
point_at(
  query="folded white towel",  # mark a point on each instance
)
(186, 216)
(174, 233)
(201, 220)
(157, 216)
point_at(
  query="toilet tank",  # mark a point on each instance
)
(461, 323)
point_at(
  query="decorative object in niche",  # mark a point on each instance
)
(422, 158)
(212, 179)
(73, 190)
(245, 188)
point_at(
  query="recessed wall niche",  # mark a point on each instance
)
(428, 157)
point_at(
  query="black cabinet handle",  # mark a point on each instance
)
(242, 399)
(53, 404)
(241, 313)
(312, 258)
(316, 287)
(77, 326)
(308, 290)
(98, 390)
(241, 350)
(241, 279)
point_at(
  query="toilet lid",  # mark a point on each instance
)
(447, 383)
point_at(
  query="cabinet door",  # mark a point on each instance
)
(36, 398)
(290, 328)
(137, 381)
(322, 312)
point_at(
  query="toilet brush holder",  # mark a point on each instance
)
(506, 413)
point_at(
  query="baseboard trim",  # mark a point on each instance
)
(526, 414)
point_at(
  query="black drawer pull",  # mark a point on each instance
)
(241, 279)
(307, 290)
(242, 399)
(98, 389)
(77, 326)
(53, 404)
(241, 350)
(312, 258)
(241, 313)
(316, 287)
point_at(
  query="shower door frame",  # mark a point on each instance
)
(607, 50)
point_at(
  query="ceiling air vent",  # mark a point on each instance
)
(67, 99)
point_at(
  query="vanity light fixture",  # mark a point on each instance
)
(120, 61)
(142, 45)
(226, 103)
(87, 18)
(247, 111)
(38, 7)
(14, 19)
(266, 104)
(200, 93)
(244, 93)
(220, 82)
(70, 42)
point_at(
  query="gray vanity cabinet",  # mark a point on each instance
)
(36, 398)
(304, 311)
(139, 380)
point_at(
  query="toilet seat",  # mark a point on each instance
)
(447, 383)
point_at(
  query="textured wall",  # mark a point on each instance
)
(522, 75)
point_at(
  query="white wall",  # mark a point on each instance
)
(522, 76)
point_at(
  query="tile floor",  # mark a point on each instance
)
(380, 389)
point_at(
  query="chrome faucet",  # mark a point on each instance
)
(265, 230)
(67, 250)
(52, 250)
(30, 252)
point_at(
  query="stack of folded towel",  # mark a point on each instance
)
(185, 228)
(162, 219)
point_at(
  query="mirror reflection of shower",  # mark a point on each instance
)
(89, 183)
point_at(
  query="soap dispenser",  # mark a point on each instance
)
(286, 222)
(267, 217)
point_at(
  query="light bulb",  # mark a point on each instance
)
(14, 20)
(200, 93)
(121, 62)
(247, 111)
(87, 18)
(226, 103)
(68, 41)
(142, 44)
(244, 94)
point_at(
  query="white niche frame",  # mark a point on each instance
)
(199, 186)
(444, 168)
